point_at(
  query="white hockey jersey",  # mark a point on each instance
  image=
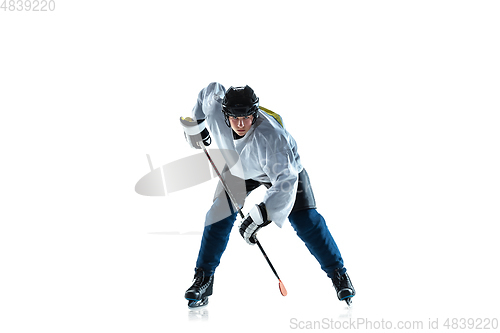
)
(267, 153)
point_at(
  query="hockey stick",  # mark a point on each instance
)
(235, 203)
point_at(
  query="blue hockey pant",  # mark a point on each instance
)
(309, 225)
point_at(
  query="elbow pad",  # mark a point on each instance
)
(195, 131)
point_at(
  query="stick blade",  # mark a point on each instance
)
(283, 289)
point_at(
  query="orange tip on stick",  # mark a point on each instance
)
(282, 289)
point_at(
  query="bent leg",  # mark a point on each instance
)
(311, 227)
(219, 222)
(215, 238)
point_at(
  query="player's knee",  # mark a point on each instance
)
(305, 221)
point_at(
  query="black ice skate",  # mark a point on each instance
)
(197, 294)
(343, 286)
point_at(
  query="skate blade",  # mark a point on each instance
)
(197, 303)
(348, 300)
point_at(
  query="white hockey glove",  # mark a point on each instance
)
(255, 220)
(195, 131)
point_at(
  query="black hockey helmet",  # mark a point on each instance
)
(240, 102)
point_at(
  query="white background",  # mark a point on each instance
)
(394, 105)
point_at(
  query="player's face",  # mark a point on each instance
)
(241, 125)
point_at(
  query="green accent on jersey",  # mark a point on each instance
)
(272, 114)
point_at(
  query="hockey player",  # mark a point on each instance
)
(258, 150)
